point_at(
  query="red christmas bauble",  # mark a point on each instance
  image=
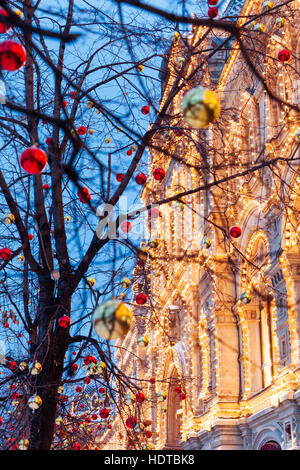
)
(182, 396)
(126, 226)
(64, 321)
(154, 212)
(74, 367)
(5, 254)
(4, 28)
(76, 446)
(12, 365)
(87, 380)
(82, 130)
(235, 232)
(140, 397)
(141, 178)
(178, 389)
(152, 380)
(119, 177)
(141, 298)
(33, 160)
(48, 140)
(213, 12)
(212, 2)
(12, 56)
(104, 413)
(131, 422)
(129, 152)
(30, 236)
(78, 389)
(46, 187)
(101, 390)
(159, 174)
(84, 195)
(145, 110)
(284, 55)
(73, 95)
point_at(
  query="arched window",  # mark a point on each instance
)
(173, 417)
(270, 445)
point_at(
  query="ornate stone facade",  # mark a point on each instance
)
(239, 364)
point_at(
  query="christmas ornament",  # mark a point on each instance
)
(178, 206)
(174, 36)
(107, 140)
(212, 2)
(46, 187)
(91, 281)
(34, 402)
(12, 56)
(205, 243)
(154, 212)
(5, 254)
(4, 27)
(153, 243)
(213, 12)
(267, 5)
(23, 444)
(245, 297)
(48, 141)
(36, 368)
(125, 283)
(8, 219)
(82, 130)
(139, 67)
(33, 160)
(145, 110)
(84, 195)
(131, 422)
(280, 22)
(64, 321)
(143, 341)
(259, 27)
(141, 298)
(104, 413)
(235, 232)
(119, 177)
(159, 174)
(126, 226)
(112, 319)
(129, 398)
(152, 380)
(20, 258)
(141, 178)
(200, 107)
(23, 365)
(284, 55)
(140, 397)
(161, 396)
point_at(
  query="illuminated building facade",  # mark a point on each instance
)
(238, 363)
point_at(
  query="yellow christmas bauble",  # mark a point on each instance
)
(34, 402)
(112, 319)
(8, 219)
(200, 107)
